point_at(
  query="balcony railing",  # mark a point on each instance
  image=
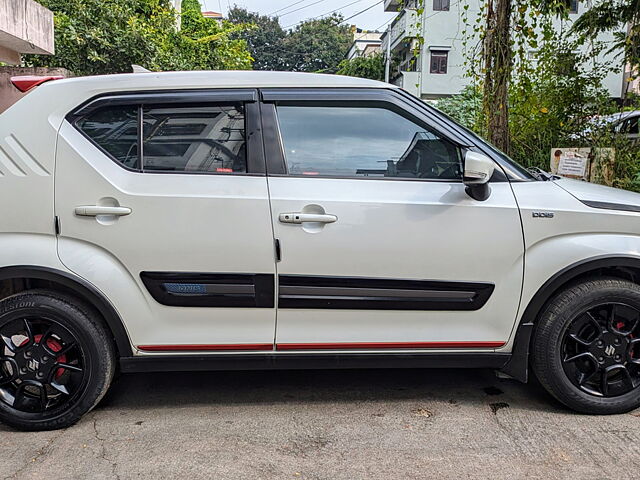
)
(392, 5)
(403, 27)
(395, 5)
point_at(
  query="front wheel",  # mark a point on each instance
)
(56, 360)
(586, 349)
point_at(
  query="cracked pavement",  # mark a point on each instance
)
(373, 424)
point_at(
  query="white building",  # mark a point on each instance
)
(439, 69)
(364, 43)
(25, 27)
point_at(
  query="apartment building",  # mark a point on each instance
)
(365, 43)
(438, 70)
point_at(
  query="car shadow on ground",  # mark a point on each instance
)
(456, 386)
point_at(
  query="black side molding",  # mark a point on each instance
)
(623, 207)
(270, 361)
(357, 293)
(185, 289)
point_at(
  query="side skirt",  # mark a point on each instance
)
(311, 361)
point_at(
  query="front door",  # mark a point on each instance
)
(381, 248)
(163, 205)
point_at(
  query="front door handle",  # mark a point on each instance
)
(298, 217)
(95, 210)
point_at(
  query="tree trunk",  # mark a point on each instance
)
(497, 62)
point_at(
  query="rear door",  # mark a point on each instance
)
(163, 205)
(381, 248)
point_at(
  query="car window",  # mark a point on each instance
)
(115, 129)
(186, 138)
(363, 142)
(630, 126)
(208, 139)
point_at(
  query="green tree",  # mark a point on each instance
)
(108, 36)
(621, 17)
(265, 40)
(203, 43)
(317, 45)
(371, 67)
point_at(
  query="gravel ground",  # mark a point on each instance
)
(374, 424)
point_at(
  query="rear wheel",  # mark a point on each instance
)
(586, 349)
(56, 360)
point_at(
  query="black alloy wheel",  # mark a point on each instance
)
(42, 367)
(601, 350)
(586, 346)
(57, 360)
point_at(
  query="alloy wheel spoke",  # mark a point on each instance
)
(585, 377)
(59, 387)
(4, 379)
(579, 340)
(19, 397)
(595, 323)
(604, 382)
(8, 343)
(68, 366)
(582, 356)
(65, 349)
(612, 317)
(28, 331)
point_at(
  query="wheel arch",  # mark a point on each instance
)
(66, 282)
(621, 266)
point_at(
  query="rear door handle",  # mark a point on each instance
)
(298, 217)
(95, 210)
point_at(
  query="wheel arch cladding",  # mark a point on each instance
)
(620, 266)
(68, 283)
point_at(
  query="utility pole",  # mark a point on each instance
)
(387, 64)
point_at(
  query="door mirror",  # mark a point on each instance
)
(478, 169)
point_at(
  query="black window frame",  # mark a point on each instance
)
(256, 165)
(441, 54)
(441, 5)
(356, 97)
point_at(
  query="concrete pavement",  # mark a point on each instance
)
(375, 424)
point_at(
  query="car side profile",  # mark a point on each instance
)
(262, 220)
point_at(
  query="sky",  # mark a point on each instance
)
(369, 20)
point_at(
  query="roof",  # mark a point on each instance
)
(212, 14)
(212, 79)
(57, 98)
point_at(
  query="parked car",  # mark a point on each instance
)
(258, 220)
(623, 123)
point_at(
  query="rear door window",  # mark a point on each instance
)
(176, 138)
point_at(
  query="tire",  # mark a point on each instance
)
(57, 360)
(591, 371)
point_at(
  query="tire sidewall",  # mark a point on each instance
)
(96, 361)
(555, 321)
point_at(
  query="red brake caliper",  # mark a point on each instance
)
(54, 346)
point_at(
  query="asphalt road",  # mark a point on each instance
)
(376, 424)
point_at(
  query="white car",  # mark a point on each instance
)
(257, 220)
(626, 124)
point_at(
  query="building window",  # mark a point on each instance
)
(573, 6)
(441, 5)
(439, 61)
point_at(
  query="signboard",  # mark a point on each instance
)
(572, 164)
(591, 165)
